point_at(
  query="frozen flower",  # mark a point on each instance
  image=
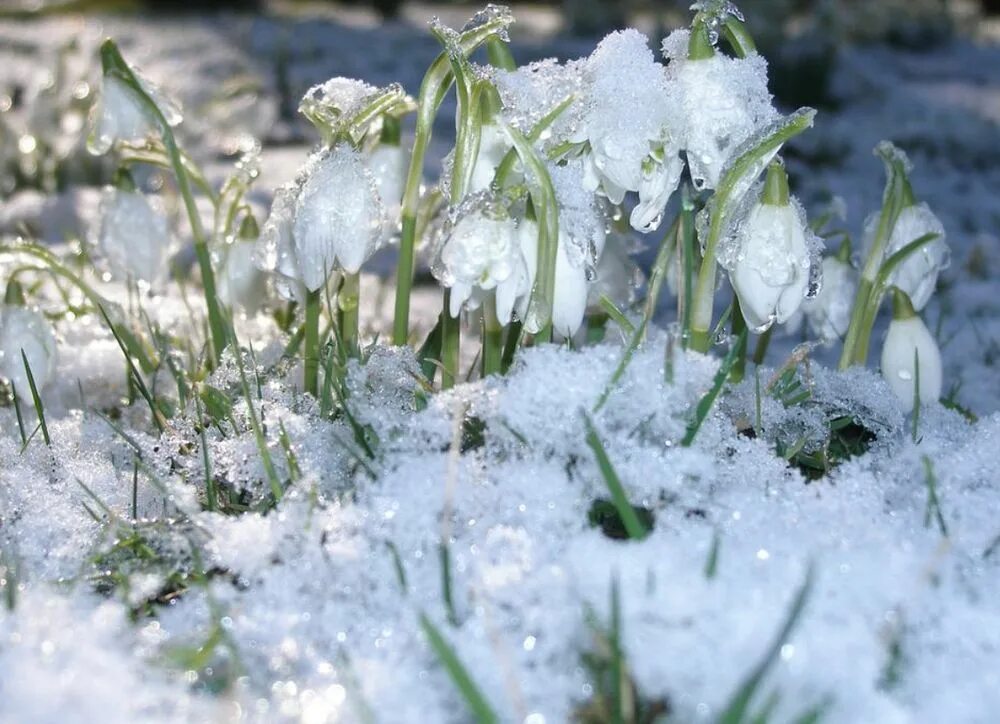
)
(570, 296)
(25, 329)
(348, 109)
(329, 220)
(133, 236)
(493, 146)
(239, 282)
(917, 275)
(389, 165)
(910, 351)
(479, 254)
(724, 101)
(829, 312)
(626, 123)
(120, 114)
(770, 273)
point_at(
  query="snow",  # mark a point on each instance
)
(308, 593)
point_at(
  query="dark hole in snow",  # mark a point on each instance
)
(473, 433)
(604, 515)
(848, 438)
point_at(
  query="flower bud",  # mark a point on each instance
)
(26, 329)
(770, 273)
(917, 275)
(120, 114)
(829, 312)
(910, 352)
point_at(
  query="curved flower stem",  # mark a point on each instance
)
(348, 307)
(114, 64)
(739, 327)
(492, 338)
(867, 300)
(310, 364)
(733, 185)
(435, 85)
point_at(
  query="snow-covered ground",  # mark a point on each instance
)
(313, 611)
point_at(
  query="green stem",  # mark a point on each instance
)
(450, 344)
(738, 371)
(763, 342)
(311, 350)
(492, 339)
(348, 306)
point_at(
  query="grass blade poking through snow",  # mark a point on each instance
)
(933, 509)
(39, 408)
(135, 376)
(480, 709)
(633, 526)
(738, 709)
(705, 403)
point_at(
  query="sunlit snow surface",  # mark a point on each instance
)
(310, 593)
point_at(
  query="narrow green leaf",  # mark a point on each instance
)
(479, 707)
(633, 526)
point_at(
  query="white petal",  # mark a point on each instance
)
(570, 299)
(909, 340)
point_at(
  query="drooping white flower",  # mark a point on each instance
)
(723, 102)
(570, 295)
(829, 312)
(917, 275)
(479, 253)
(121, 115)
(770, 272)
(133, 236)
(239, 283)
(389, 165)
(493, 146)
(627, 121)
(909, 350)
(329, 220)
(26, 329)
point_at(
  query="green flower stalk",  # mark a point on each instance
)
(129, 109)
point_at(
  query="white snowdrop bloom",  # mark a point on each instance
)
(329, 220)
(120, 114)
(626, 120)
(26, 329)
(723, 102)
(275, 251)
(917, 275)
(480, 253)
(908, 344)
(493, 146)
(389, 165)
(771, 271)
(133, 236)
(571, 293)
(829, 312)
(239, 282)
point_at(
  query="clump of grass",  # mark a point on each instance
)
(604, 514)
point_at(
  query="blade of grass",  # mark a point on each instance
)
(479, 707)
(633, 526)
(706, 402)
(134, 374)
(20, 417)
(36, 399)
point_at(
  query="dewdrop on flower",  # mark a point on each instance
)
(479, 253)
(917, 274)
(771, 271)
(133, 236)
(626, 122)
(27, 329)
(724, 101)
(910, 351)
(829, 312)
(121, 115)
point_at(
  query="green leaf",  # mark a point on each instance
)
(478, 706)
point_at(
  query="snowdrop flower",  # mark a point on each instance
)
(909, 344)
(829, 312)
(917, 275)
(330, 219)
(569, 302)
(724, 101)
(389, 165)
(770, 273)
(25, 329)
(493, 146)
(626, 122)
(132, 235)
(120, 114)
(480, 253)
(239, 282)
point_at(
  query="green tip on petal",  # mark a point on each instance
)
(902, 307)
(14, 296)
(844, 251)
(249, 229)
(776, 185)
(123, 180)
